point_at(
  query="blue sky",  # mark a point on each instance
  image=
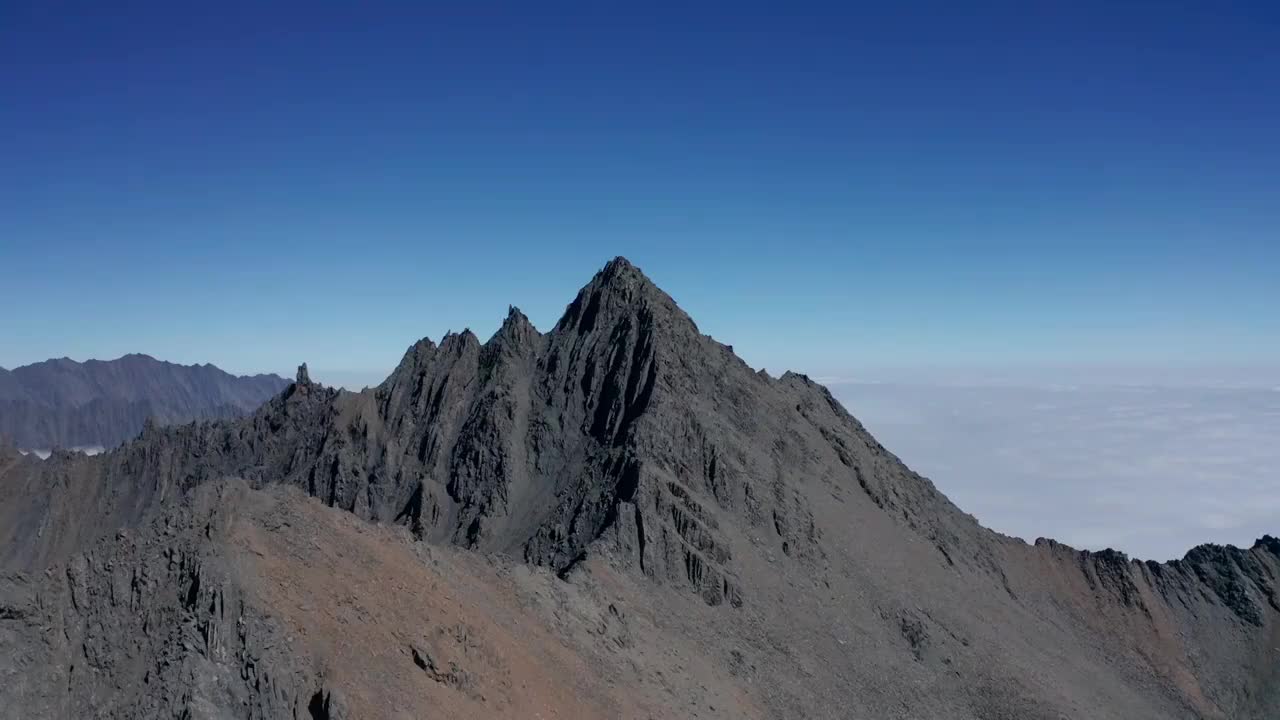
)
(929, 185)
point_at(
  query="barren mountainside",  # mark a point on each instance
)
(614, 518)
(63, 403)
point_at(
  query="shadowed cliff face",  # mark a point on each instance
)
(771, 535)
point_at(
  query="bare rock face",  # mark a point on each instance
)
(678, 510)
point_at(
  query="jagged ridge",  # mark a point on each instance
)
(626, 434)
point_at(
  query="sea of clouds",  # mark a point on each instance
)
(86, 449)
(1151, 470)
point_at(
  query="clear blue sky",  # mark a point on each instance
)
(1086, 182)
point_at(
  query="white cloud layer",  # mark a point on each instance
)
(86, 449)
(1151, 471)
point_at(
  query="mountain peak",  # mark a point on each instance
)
(1270, 543)
(459, 342)
(620, 271)
(516, 330)
(620, 264)
(515, 318)
(619, 289)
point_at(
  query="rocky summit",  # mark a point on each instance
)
(616, 518)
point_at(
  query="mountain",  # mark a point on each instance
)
(615, 518)
(63, 403)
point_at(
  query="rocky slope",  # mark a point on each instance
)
(63, 403)
(616, 518)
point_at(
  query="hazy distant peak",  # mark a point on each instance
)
(64, 403)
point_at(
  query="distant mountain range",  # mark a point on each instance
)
(64, 403)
